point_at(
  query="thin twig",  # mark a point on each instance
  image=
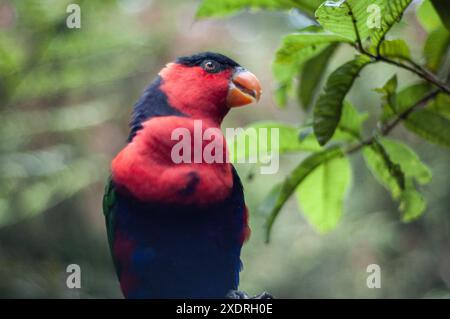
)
(405, 114)
(416, 69)
(389, 127)
(426, 75)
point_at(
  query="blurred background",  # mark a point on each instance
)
(65, 98)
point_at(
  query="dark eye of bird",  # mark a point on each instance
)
(211, 66)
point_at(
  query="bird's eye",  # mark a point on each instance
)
(210, 66)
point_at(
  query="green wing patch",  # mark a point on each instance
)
(109, 202)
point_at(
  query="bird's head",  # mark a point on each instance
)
(207, 85)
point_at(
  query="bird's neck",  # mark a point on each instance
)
(188, 167)
(154, 103)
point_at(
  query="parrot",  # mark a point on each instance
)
(175, 230)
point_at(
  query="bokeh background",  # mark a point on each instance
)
(65, 98)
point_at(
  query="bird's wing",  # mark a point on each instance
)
(109, 206)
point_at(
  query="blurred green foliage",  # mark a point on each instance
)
(55, 83)
(59, 90)
(65, 98)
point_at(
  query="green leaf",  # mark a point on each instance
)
(337, 17)
(436, 47)
(295, 50)
(441, 105)
(312, 74)
(443, 9)
(349, 128)
(351, 121)
(403, 100)
(433, 123)
(389, 93)
(390, 88)
(407, 162)
(428, 16)
(391, 13)
(308, 6)
(305, 40)
(395, 49)
(363, 18)
(394, 169)
(282, 192)
(214, 8)
(242, 148)
(412, 204)
(430, 125)
(281, 93)
(410, 95)
(327, 111)
(321, 194)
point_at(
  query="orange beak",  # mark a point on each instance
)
(244, 88)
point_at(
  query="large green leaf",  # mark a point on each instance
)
(394, 176)
(408, 160)
(295, 50)
(363, 18)
(242, 147)
(412, 203)
(430, 125)
(339, 17)
(281, 193)
(321, 194)
(395, 49)
(312, 74)
(211, 8)
(327, 111)
(404, 159)
(305, 38)
(391, 13)
(443, 9)
(436, 46)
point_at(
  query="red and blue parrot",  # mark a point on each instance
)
(176, 230)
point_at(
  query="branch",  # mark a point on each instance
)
(416, 69)
(421, 72)
(389, 127)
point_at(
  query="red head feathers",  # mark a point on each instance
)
(207, 85)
